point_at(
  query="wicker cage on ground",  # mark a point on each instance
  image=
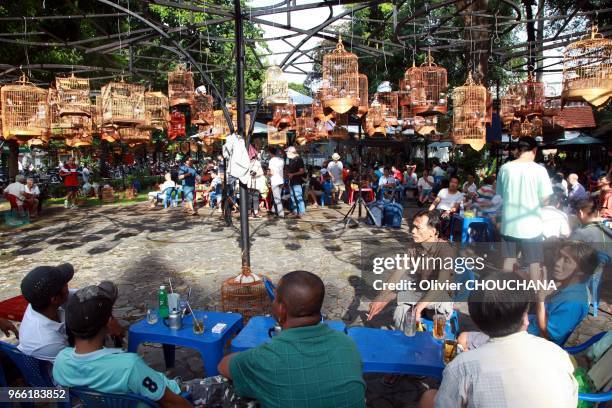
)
(340, 80)
(469, 114)
(180, 86)
(73, 96)
(275, 88)
(245, 294)
(25, 112)
(122, 104)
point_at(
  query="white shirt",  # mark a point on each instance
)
(335, 169)
(276, 166)
(496, 203)
(383, 181)
(16, 189)
(448, 200)
(554, 223)
(423, 184)
(438, 171)
(471, 188)
(34, 190)
(41, 337)
(167, 184)
(519, 370)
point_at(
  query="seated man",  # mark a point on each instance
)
(15, 192)
(315, 189)
(425, 185)
(89, 364)
(308, 364)
(32, 197)
(448, 199)
(514, 368)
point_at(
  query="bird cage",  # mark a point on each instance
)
(305, 125)
(318, 113)
(134, 136)
(341, 80)
(424, 88)
(376, 113)
(156, 108)
(552, 106)
(123, 104)
(38, 141)
(283, 117)
(362, 109)
(73, 96)
(180, 86)
(425, 125)
(109, 134)
(469, 114)
(587, 70)
(489, 116)
(203, 110)
(509, 104)
(220, 128)
(25, 112)
(79, 139)
(176, 127)
(275, 88)
(412, 76)
(389, 103)
(275, 136)
(531, 93)
(536, 126)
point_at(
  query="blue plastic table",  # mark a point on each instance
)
(256, 331)
(391, 351)
(209, 345)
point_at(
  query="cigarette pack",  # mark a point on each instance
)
(219, 327)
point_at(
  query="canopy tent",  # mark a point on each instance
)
(582, 139)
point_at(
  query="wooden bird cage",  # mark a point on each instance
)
(587, 70)
(73, 96)
(109, 134)
(176, 127)
(203, 110)
(552, 106)
(284, 117)
(509, 104)
(275, 136)
(489, 116)
(305, 125)
(389, 104)
(25, 112)
(123, 104)
(318, 113)
(156, 108)
(376, 113)
(245, 294)
(275, 88)
(340, 80)
(79, 139)
(424, 88)
(362, 109)
(181, 89)
(38, 141)
(531, 93)
(220, 127)
(469, 114)
(134, 136)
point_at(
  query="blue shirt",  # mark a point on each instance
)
(190, 174)
(565, 310)
(111, 371)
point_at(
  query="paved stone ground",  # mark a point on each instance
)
(139, 248)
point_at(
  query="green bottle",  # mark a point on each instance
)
(163, 302)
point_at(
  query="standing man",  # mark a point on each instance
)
(576, 191)
(295, 173)
(334, 168)
(524, 187)
(71, 181)
(276, 168)
(188, 176)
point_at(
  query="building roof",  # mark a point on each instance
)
(299, 98)
(576, 117)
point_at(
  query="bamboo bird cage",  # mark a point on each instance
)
(79, 139)
(275, 88)
(73, 96)
(362, 109)
(389, 104)
(305, 126)
(275, 136)
(176, 127)
(509, 104)
(180, 86)
(134, 136)
(156, 110)
(123, 104)
(203, 110)
(341, 80)
(245, 294)
(424, 88)
(587, 69)
(284, 117)
(25, 112)
(340, 131)
(531, 93)
(469, 114)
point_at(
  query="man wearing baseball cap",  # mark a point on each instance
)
(43, 331)
(295, 173)
(89, 364)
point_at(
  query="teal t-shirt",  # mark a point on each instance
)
(111, 371)
(304, 367)
(522, 186)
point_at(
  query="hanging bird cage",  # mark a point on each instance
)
(552, 106)
(275, 136)
(123, 104)
(536, 126)
(469, 114)
(220, 128)
(156, 108)
(587, 70)
(412, 76)
(180, 86)
(318, 113)
(376, 114)
(425, 125)
(424, 88)
(73, 96)
(340, 131)
(38, 141)
(134, 136)
(362, 109)
(509, 104)
(275, 88)
(79, 139)
(25, 112)
(203, 110)
(176, 127)
(341, 80)
(489, 116)
(305, 125)
(109, 134)
(389, 103)
(531, 93)
(284, 117)
(245, 294)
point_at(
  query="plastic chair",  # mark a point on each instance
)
(167, 196)
(467, 229)
(95, 399)
(270, 288)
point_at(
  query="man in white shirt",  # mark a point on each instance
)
(334, 169)
(16, 190)
(425, 185)
(276, 167)
(554, 220)
(469, 187)
(514, 368)
(448, 199)
(32, 194)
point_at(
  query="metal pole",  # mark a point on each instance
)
(244, 210)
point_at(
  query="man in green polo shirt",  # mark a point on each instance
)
(307, 364)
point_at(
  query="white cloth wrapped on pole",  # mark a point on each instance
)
(235, 152)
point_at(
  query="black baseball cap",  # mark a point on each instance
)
(44, 282)
(89, 309)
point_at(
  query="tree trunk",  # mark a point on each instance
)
(531, 38)
(13, 166)
(540, 40)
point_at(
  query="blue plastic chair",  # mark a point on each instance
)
(468, 232)
(326, 196)
(95, 399)
(270, 288)
(167, 196)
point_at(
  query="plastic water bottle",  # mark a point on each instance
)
(163, 302)
(461, 209)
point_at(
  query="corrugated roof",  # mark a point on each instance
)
(576, 117)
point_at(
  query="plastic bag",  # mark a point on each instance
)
(216, 392)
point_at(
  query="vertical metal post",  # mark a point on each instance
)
(240, 106)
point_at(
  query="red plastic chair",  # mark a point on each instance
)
(365, 191)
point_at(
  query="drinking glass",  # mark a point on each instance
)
(410, 323)
(439, 321)
(151, 315)
(198, 326)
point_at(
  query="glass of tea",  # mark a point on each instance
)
(198, 326)
(439, 321)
